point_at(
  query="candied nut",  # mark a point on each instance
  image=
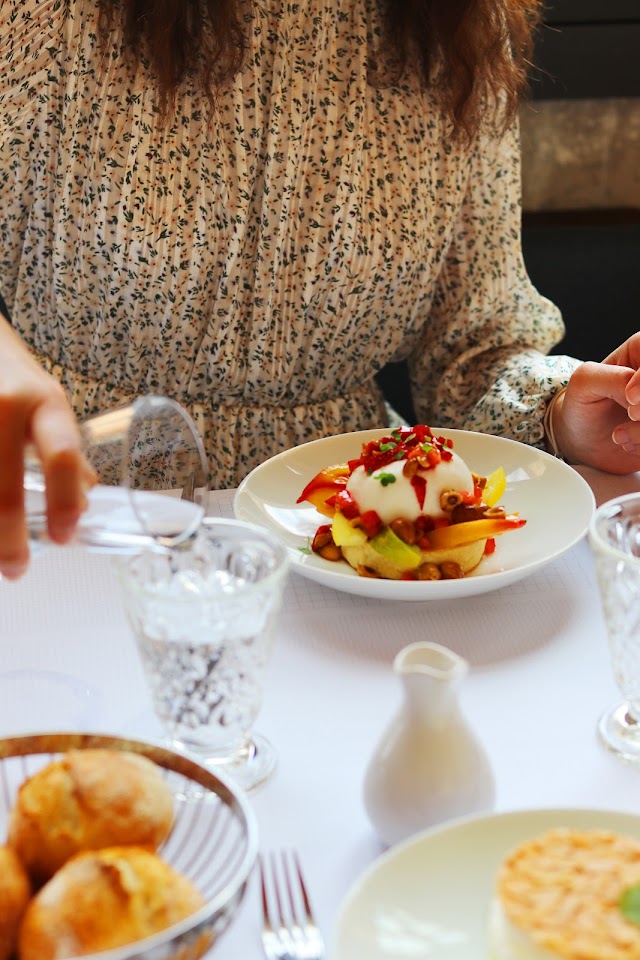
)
(467, 511)
(451, 570)
(423, 462)
(363, 571)
(410, 468)
(321, 539)
(450, 499)
(330, 552)
(478, 481)
(495, 513)
(428, 571)
(404, 529)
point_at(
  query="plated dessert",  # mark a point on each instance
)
(408, 508)
(568, 894)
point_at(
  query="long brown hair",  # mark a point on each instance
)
(474, 53)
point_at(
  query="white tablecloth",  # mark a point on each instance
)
(539, 678)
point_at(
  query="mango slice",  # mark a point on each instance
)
(344, 533)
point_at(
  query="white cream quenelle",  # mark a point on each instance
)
(398, 497)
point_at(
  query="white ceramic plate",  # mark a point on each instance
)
(430, 896)
(555, 500)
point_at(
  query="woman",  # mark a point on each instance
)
(252, 207)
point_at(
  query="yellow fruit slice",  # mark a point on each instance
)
(460, 533)
(344, 534)
(495, 487)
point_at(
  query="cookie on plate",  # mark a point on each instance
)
(568, 894)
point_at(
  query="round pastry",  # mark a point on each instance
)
(103, 899)
(451, 563)
(86, 800)
(570, 895)
(408, 508)
(15, 891)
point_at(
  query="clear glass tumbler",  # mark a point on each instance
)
(614, 536)
(203, 618)
(139, 452)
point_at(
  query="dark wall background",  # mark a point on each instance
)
(587, 261)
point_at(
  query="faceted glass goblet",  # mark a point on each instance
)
(614, 537)
(203, 617)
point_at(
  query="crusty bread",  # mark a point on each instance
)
(363, 556)
(559, 895)
(86, 800)
(15, 891)
(103, 899)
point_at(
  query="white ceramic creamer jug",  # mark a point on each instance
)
(428, 766)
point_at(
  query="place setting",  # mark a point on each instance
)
(275, 746)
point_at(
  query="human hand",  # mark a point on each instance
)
(597, 420)
(34, 409)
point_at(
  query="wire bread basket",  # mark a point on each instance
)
(213, 841)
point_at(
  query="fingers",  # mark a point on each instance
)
(14, 550)
(592, 382)
(627, 354)
(56, 437)
(594, 422)
(51, 427)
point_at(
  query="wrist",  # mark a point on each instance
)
(550, 423)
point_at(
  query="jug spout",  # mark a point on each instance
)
(430, 674)
(431, 659)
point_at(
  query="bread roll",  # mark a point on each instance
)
(86, 800)
(15, 891)
(103, 899)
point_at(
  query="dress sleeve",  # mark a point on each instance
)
(480, 363)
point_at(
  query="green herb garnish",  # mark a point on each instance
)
(384, 447)
(630, 904)
(386, 478)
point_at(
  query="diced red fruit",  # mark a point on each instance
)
(344, 502)
(490, 546)
(419, 484)
(370, 523)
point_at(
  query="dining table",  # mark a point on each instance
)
(539, 677)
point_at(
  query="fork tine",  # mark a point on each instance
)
(276, 890)
(303, 887)
(289, 929)
(263, 893)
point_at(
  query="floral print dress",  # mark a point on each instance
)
(262, 264)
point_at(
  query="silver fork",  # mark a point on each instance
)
(289, 930)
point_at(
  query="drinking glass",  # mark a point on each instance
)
(203, 618)
(614, 536)
(138, 451)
